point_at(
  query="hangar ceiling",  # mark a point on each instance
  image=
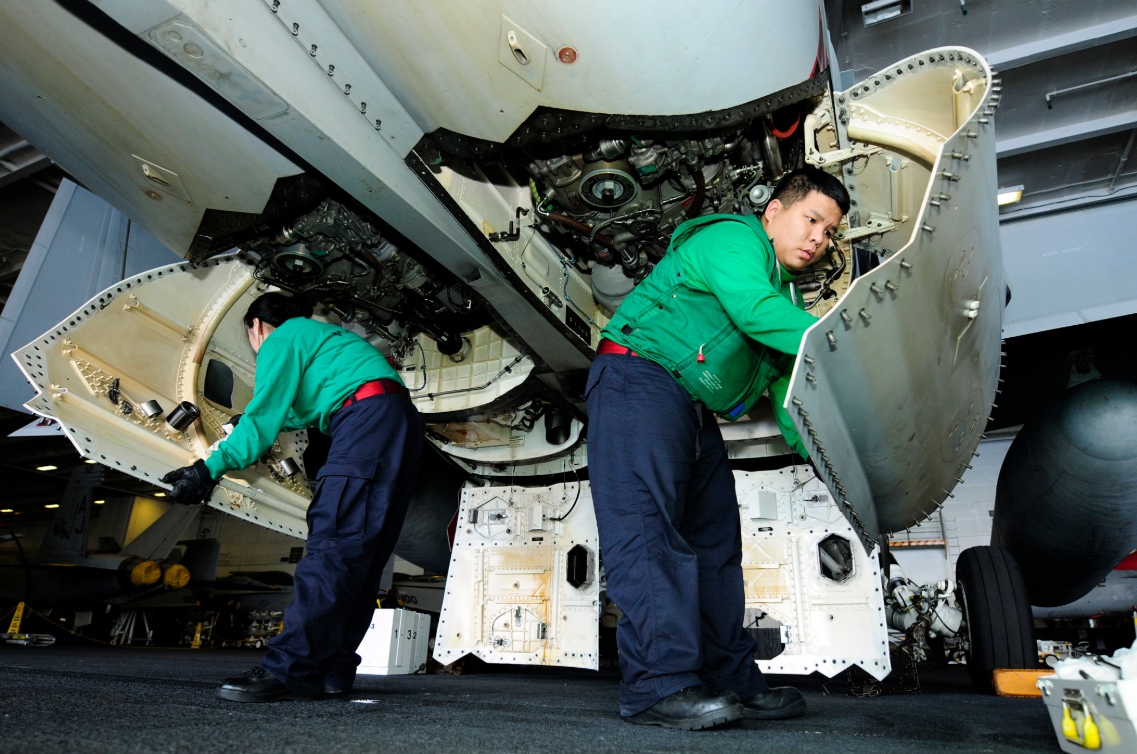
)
(1068, 115)
(28, 181)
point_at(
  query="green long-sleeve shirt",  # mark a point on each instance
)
(306, 369)
(717, 272)
(725, 264)
(724, 260)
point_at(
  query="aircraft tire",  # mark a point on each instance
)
(999, 619)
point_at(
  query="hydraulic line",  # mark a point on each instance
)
(579, 226)
(700, 193)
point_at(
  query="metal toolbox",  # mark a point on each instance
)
(1091, 715)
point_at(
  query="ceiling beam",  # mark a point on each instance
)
(23, 170)
(1062, 44)
(1054, 137)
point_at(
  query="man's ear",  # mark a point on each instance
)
(772, 209)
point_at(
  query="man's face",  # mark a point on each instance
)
(801, 231)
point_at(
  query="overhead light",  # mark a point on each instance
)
(1010, 195)
(159, 494)
(52, 505)
(6, 510)
(46, 468)
(90, 460)
(98, 502)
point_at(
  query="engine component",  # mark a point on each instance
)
(558, 426)
(610, 286)
(618, 200)
(288, 466)
(150, 409)
(759, 195)
(608, 187)
(337, 256)
(183, 416)
(297, 260)
(771, 150)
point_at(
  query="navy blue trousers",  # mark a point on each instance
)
(353, 523)
(670, 537)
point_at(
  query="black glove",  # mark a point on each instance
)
(192, 484)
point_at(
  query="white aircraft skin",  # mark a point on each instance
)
(458, 143)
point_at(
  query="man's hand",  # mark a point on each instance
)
(192, 484)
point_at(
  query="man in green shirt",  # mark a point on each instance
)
(715, 325)
(314, 374)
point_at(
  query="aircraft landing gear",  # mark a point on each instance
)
(996, 608)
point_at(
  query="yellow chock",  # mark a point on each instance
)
(176, 576)
(1090, 737)
(1018, 682)
(145, 573)
(17, 619)
(196, 644)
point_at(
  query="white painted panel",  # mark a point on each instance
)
(443, 62)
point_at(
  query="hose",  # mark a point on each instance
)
(788, 132)
(700, 192)
(579, 226)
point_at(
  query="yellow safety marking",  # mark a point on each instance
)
(196, 638)
(17, 619)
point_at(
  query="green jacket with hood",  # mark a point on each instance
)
(721, 292)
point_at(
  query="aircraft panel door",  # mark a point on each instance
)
(894, 385)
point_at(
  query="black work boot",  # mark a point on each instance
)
(258, 685)
(694, 708)
(335, 686)
(774, 704)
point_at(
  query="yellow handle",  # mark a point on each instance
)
(1091, 736)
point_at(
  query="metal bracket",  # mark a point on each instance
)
(876, 225)
(845, 155)
(514, 232)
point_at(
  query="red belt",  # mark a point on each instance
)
(607, 346)
(375, 387)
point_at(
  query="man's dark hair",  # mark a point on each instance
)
(796, 186)
(276, 308)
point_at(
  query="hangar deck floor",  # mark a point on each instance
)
(68, 699)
